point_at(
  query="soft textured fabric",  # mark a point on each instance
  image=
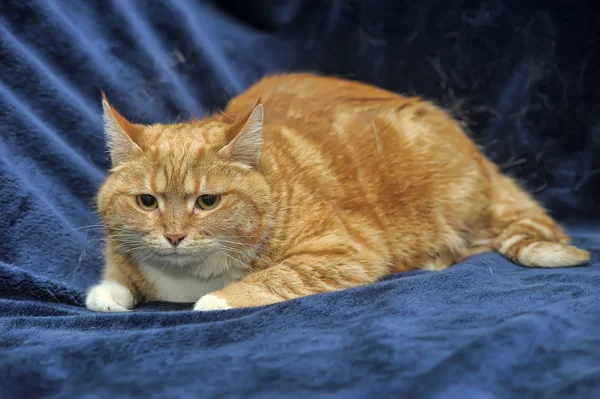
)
(525, 78)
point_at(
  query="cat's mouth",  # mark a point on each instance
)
(175, 256)
(198, 247)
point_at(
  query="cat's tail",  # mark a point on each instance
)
(524, 233)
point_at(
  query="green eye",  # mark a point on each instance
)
(208, 201)
(147, 202)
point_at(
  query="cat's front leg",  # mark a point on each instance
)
(110, 296)
(238, 295)
(298, 276)
(113, 293)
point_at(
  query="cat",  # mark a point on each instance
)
(304, 184)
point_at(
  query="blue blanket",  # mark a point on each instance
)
(524, 76)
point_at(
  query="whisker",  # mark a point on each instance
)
(278, 258)
(235, 250)
(248, 246)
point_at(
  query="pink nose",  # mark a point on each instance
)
(174, 239)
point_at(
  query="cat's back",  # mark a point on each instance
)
(287, 96)
(371, 125)
(319, 113)
(339, 133)
(323, 108)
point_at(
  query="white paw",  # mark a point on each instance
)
(109, 296)
(211, 302)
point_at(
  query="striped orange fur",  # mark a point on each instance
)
(322, 184)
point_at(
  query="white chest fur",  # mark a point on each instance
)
(177, 284)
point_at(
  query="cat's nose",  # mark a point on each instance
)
(175, 239)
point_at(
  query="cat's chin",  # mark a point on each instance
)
(173, 253)
(176, 258)
(203, 265)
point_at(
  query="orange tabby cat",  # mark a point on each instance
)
(304, 185)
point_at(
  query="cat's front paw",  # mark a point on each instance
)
(109, 296)
(237, 295)
(211, 302)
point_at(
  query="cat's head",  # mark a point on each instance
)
(177, 193)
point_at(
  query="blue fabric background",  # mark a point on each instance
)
(525, 78)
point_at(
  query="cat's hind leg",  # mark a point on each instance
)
(524, 233)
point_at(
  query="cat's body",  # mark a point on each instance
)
(351, 183)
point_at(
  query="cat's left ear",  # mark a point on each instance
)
(245, 146)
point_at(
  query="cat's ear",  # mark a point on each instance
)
(121, 135)
(245, 146)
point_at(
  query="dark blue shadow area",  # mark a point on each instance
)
(523, 76)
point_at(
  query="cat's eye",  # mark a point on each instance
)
(208, 201)
(147, 202)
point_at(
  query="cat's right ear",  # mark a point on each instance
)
(121, 135)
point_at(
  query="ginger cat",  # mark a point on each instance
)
(303, 185)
